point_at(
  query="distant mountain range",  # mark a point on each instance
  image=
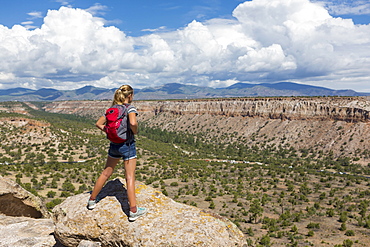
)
(176, 91)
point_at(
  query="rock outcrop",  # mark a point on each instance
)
(26, 232)
(167, 223)
(16, 201)
(24, 219)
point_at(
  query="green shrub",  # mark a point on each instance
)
(347, 243)
(65, 194)
(174, 184)
(313, 225)
(310, 233)
(51, 194)
(265, 240)
(53, 203)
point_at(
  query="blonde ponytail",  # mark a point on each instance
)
(122, 94)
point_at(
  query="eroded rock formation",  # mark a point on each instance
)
(167, 223)
(349, 109)
(16, 201)
(24, 219)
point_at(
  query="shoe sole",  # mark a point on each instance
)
(91, 207)
(136, 217)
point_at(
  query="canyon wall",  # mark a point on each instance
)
(337, 124)
(331, 124)
(348, 109)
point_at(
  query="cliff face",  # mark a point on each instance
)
(337, 124)
(324, 108)
(344, 109)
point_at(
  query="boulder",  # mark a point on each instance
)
(167, 222)
(26, 232)
(16, 201)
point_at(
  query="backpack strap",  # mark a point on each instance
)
(124, 111)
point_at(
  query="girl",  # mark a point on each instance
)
(126, 151)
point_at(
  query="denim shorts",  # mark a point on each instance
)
(126, 150)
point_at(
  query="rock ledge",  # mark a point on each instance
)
(167, 223)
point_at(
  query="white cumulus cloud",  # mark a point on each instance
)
(267, 41)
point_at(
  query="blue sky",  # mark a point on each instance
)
(70, 44)
(132, 17)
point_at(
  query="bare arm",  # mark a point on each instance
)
(133, 122)
(101, 123)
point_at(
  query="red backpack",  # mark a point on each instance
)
(116, 126)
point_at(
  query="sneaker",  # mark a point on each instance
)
(91, 204)
(139, 212)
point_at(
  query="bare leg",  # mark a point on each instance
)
(106, 173)
(130, 166)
